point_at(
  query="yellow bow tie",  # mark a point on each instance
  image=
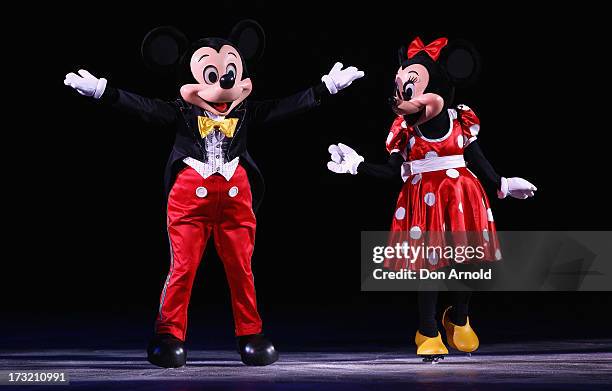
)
(208, 125)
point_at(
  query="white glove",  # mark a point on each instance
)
(344, 159)
(86, 84)
(516, 187)
(339, 78)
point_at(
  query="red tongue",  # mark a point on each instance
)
(220, 106)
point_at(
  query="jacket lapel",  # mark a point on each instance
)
(239, 112)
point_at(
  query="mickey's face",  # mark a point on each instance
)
(220, 86)
(411, 97)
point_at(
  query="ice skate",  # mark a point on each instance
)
(256, 350)
(166, 351)
(430, 349)
(462, 338)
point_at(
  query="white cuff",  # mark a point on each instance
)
(100, 87)
(329, 83)
(353, 167)
(503, 191)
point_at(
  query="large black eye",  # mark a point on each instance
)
(211, 75)
(408, 91)
(231, 70)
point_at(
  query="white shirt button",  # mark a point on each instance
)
(201, 192)
(233, 192)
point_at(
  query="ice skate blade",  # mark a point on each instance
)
(433, 359)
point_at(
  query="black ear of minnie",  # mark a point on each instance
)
(163, 47)
(462, 62)
(250, 38)
(401, 55)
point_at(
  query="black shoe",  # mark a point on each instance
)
(256, 350)
(166, 351)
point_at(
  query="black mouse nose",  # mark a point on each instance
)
(227, 81)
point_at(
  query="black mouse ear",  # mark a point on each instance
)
(401, 54)
(163, 47)
(462, 62)
(249, 37)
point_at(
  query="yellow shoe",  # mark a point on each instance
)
(430, 348)
(462, 338)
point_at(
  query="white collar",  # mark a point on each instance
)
(215, 116)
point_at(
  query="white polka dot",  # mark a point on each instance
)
(430, 199)
(459, 141)
(474, 129)
(389, 137)
(404, 125)
(497, 254)
(460, 207)
(431, 154)
(489, 214)
(233, 192)
(463, 107)
(400, 213)
(416, 179)
(451, 172)
(485, 234)
(474, 175)
(201, 192)
(432, 258)
(411, 142)
(415, 232)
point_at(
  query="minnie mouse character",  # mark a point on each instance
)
(429, 144)
(213, 186)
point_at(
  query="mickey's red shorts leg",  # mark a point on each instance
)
(189, 227)
(235, 241)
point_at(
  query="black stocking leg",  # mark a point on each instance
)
(460, 303)
(427, 313)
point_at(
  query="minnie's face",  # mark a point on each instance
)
(411, 99)
(220, 87)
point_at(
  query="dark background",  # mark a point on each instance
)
(87, 252)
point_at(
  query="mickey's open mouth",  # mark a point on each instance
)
(221, 107)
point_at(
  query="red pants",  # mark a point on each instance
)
(197, 208)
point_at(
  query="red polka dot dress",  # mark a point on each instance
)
(441, 201)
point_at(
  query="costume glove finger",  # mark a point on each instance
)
(336, 168)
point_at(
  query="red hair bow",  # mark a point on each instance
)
(433, 49)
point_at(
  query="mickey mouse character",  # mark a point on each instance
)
(429, 143)
(213, 186)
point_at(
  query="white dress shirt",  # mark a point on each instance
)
(216, 161)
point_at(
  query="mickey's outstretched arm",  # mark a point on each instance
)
(277, 109)
(151, 111)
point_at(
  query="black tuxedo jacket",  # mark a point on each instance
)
(183, 118)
